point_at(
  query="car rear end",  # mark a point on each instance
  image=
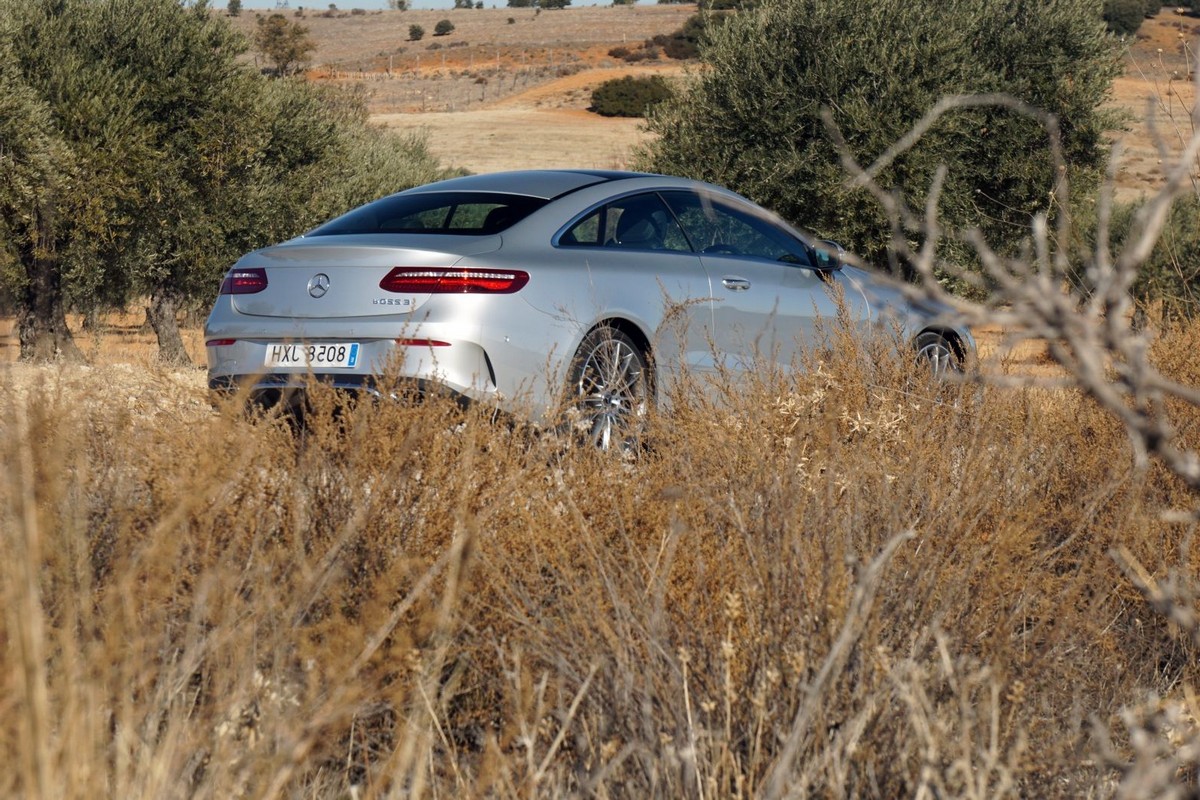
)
(377, 292)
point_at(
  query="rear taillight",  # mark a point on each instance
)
(438, 280)
(422, 343)
(219, 342)
(244, 281)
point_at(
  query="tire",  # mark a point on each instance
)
(609, 390)
(938, 354)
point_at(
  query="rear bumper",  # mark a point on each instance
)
(287, 391)
(462, 367)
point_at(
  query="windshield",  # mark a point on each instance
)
(456, 213)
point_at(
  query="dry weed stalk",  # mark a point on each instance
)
(1035, 292)
(1090, 333)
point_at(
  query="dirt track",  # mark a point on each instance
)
(542, 127)
(494, 140)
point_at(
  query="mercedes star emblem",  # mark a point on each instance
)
(319, 285)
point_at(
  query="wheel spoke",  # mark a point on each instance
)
(611, 386)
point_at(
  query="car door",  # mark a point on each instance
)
(769, 299)
(639, 266)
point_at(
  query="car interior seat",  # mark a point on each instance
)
(639, 229)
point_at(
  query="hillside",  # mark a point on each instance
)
(515, 71)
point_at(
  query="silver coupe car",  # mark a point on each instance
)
(510, 288)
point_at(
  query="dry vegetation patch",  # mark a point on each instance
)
(1158, 92)
(844, 582)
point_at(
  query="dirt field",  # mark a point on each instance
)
(491, 77)
(376, 40)
(567, 135)
(1158, 93)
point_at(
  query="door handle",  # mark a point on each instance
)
(736, 284)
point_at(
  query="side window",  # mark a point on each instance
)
(586, 232)
(717, 227)
(639, 222)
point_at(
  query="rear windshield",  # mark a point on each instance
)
(458, 213)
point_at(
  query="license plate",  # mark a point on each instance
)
(334, 354)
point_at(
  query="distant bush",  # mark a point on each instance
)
(681, 45)
(357, 12)
(646, 52)
(1168, 284)
(770, 78)
(1124, 17)
(415, 33)
(629, 96)
(443, 28)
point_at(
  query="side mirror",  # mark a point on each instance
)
(829, 255)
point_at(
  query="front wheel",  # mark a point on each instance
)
(610, 389)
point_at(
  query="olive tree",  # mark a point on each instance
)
(66, 139)
(188, 156)
(286, 43)
(752, 118)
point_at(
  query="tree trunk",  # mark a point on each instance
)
(162, 317)
(42, 319)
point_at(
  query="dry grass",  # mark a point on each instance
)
(1156, 90)
(838, 584)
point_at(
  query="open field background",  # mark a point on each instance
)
(539, 71)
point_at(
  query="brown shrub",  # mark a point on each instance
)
(844, 581)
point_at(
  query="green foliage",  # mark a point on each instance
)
(234, 8)
(629, 96)
(521, 3)
(752, 119)
(284, 43)
(415, 33)
(685, 43)
(189, 157)
(1168, 283)
(464, 4)
(554, 3)
(398, 5)
(725, 5)
(1124, 17)
(443, 28)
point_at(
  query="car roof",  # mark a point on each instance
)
(544, 183)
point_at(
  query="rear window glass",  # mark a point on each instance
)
(456, 213)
